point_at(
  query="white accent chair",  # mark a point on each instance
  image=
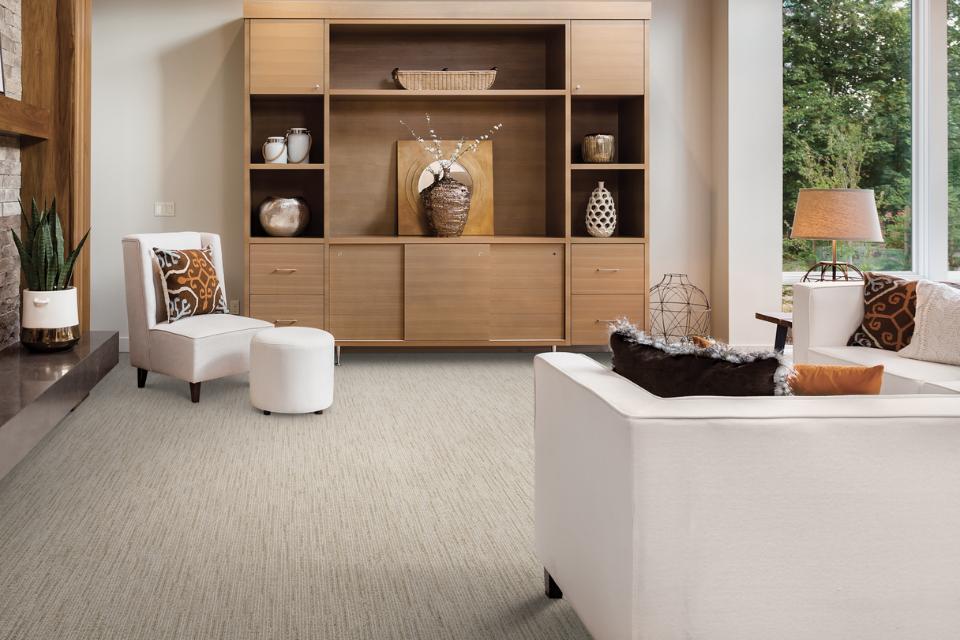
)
(766, 518)
(194, 349)
(825, 314)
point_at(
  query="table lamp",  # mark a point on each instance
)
(836, 214)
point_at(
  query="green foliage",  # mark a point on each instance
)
(847, 118)
(953, 114)
(42, 250)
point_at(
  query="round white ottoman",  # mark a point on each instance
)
(291, 370)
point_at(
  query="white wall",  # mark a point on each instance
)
(167, 125)
(681, 144)
(748, 126)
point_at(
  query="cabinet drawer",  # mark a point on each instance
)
(288, 311)
(286, 268)
(608, 268)
(593, 313)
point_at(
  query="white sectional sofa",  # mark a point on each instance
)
(825, 314)
(792, 518)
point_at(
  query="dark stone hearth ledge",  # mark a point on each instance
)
(38, 390)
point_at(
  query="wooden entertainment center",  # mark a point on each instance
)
(565, 69)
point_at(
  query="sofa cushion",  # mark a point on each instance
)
(199, 327)
(901, 375)
(190, 283)
(889, 312)
(203, 347)
(684, 369)
(836, 380)
(936, 338)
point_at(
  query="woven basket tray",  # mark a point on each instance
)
(445, 80)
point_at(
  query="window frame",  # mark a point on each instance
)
(929, 175)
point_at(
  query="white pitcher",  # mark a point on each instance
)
(299, 142)
(275, 150)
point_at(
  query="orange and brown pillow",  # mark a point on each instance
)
(836, 380)
(190, 283)
(889, 312)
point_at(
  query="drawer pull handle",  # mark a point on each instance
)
(278, 270)
(603, 270)
(604, 321)
(284, 322)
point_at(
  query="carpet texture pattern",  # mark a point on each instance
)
(405, 511)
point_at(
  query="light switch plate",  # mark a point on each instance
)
(164, 209)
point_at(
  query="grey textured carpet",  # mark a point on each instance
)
(406, 511)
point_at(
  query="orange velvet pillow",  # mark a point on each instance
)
(836, 380)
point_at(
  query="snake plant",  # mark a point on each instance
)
(42, 250)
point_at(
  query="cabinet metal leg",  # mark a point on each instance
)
(336, 355)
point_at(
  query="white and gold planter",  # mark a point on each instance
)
(50, 320)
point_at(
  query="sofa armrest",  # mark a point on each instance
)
(584, 489)
(825, 314)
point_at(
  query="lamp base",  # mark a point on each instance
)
(831, 271)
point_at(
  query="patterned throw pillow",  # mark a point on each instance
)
(889, 313)
(190, 283)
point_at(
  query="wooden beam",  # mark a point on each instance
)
(446, 10)
(23, 119)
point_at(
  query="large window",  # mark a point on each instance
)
(953, 114)
(848, 118)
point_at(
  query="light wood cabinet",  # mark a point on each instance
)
(286, 268)
(537, 277)
(607, 57)
(592, 315)
(286, 56)
(447, 292)
(526, 297)
(366, 292)
(288, 310)
(615, 268)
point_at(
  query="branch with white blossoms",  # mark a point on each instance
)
(433, 144)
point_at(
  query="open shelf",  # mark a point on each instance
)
(273, 115)
(435, 240)
(295, 240)
(626, 187)
(476, 94)
(528, 160)
(621, 116)
(286, 184)
(527, 56)
(262, 166)
(609, 166)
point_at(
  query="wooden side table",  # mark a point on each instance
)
(784, 322)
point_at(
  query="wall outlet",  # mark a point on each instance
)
(164, 209)
(235, 306)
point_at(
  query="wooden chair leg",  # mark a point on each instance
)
(550, 588)
(141, 378)
(194, 392)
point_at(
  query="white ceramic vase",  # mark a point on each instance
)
(299, 142)
(275, 150)
(601, 213)
(50, 321)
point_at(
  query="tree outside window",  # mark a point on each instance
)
(847, 122)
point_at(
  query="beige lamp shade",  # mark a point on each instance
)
(837, 214)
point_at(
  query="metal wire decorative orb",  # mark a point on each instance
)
(678, 309)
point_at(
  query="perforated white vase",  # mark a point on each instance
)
(601, 213)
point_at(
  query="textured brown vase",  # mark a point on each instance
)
(447, 204)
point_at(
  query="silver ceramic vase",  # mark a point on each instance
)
(284, 217)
